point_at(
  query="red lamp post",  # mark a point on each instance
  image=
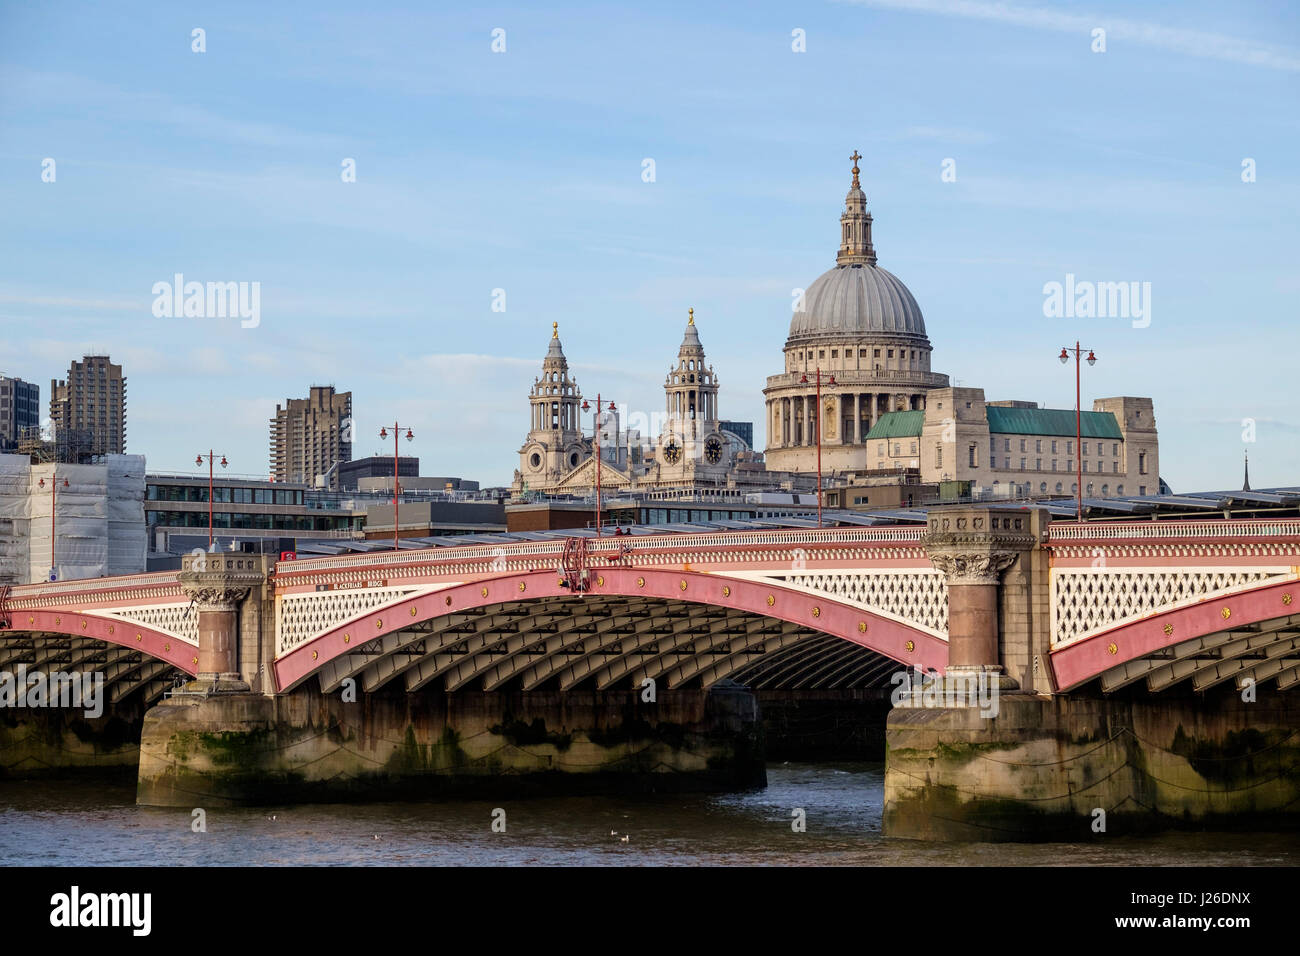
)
(829, 384)
(596, 429)
(198, 460)
(54, 498)
(1078, 419)
(383, 433)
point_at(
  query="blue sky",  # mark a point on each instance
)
(522, 171)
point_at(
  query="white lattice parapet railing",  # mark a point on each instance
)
(611, 545)
(1086, 601)
(1266, 528)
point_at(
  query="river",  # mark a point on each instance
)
(81, 822)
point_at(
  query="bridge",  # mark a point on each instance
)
(1140, 611)
(1116, 602)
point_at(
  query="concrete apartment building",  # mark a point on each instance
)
(92, 401)
(20, 408)
(310, 436)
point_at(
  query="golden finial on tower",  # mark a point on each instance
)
(555, 330)
(691, 313)
(855, 157)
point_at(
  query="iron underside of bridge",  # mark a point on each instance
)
(125, 670)
(604, 642)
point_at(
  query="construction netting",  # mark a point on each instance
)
(82, 521)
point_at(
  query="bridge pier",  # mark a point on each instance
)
(238, 749)
(221, 742)
(1030, 763)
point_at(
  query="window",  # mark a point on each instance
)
(1022, 444)
(1053, 464)
(835, 353)
(913, 448)
(1038, 464)
(1114, 448)
(938, 456)
(1142, 489)
(973, 462)
(1042, 488)
(897, 448)
(993, 446)
(1053, 448)
(1069, 465)
(1142, 464)
(1119, 490)
(1006, 444)
(1105, 490)
(889, 353)
(1114, 468)
(1069, 448)
(876, 353)
(1085, 449)
(1058, 487)
(1038, 446)
(1083, 465)
(1022, 464)
(1074, 487)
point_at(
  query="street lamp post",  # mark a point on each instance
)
(54, 499)
(830, 384)
(383, 433)
(1078, 420)
(198, 460)
(596, 428)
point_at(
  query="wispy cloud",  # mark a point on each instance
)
(1215, 46)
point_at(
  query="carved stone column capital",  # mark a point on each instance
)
(218, 581)
(972, 567)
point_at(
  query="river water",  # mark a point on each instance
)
(94, 823)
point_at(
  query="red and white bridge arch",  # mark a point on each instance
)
(1202, 602)
(785, 609)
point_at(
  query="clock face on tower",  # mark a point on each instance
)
(672, 451)
(713, 450)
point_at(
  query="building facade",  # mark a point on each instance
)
(312, 437)
(20, 410)
(1017, 449)
(861, 328)
(91, 403)
(691, 452)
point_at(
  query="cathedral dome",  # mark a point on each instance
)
(857, 299)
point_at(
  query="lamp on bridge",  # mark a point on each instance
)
(830, 385)
(198, 460)
(596, 428)
(410, 436)
(1078, 420)
(54, 497)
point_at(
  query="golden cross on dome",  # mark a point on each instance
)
(691, 313)
(855, 157)
(555, 330)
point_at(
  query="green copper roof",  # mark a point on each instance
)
(898, 425)
(1049, 421)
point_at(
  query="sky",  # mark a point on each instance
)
(498, 191)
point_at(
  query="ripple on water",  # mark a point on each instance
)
(80, 823)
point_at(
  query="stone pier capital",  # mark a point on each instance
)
(218, 581)
(972, 545)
